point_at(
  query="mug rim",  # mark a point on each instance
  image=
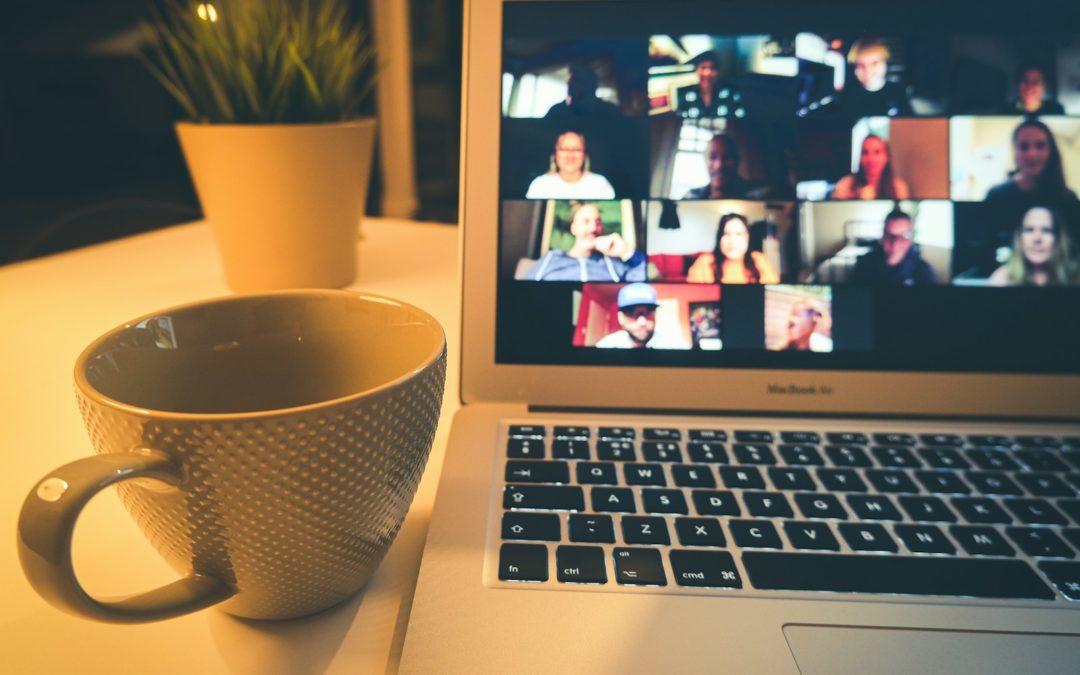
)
(91, 392)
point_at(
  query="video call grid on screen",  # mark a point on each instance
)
(782, 194)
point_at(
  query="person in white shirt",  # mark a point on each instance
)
(637, 320)
(569, 177)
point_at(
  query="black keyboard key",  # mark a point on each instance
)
(992, 483)
(820, 506)
(531, 526)
(715, 503)
(1039, 542)
(924, 539)
(841, 480)
(809, 536)
(544, 497)
(688, 475)
(754, 534)
(708, 435)
(867, 537)
(791, 479)
(753, 437)
(981, 541)
(661, 451)
(663, 501)
(927, 509)
(800, 437)
(895, 456)
(873, 507)
(1072, 456)
(570, 448)
(847, 455)
(991, 441)
(704, 569)
(523, 562)
(613, 500)
(527, 431)
(981, 510)
(992, 460)
(572, 432)
(943, 482)
(894, 439)
(944, 458)
(1071, 507)
(1044, 485)
(645, 530)
(1035, 511)
(1038, 441)
(639, 567)
(742, 477)
(847, 438)
(907, 575)
(662, 435)
(580, 565)
(748, 453)
(941, 439)
(890, 480)
(616, 433)
(1041, 460)
(707, 452)
(529, 471)
(767, 505)
(644, 474)
(597, 473)
(801, 455)
(615, 450)
(700, 532)
(525, 448)
(1073, 536)
(1064, 575)
(591, 529)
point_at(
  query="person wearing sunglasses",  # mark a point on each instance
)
(894, 260)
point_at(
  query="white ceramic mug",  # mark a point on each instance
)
(269, 446)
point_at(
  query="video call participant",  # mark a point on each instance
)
(737, 263)
(875, 178)
(637, 318)
(802, 326)
(702, 99)
(1031, 96)
(894, 260)
(1040, 255)
(569, 176)
(722, 159)
(1039, 179)
(594, 256)
(872, 94)
(581, 99)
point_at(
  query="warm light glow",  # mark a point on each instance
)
(206, 12)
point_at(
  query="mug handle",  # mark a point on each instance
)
(48, 518)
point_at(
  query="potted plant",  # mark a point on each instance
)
(279, 160)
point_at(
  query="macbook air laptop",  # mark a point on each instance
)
(769, 355)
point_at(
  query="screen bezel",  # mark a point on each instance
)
(705, 389)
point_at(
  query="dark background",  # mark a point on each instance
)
(87, 147)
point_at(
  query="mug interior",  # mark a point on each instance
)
(260, 353)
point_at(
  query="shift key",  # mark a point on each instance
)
(544, 497)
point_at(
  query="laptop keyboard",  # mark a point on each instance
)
(737, 510)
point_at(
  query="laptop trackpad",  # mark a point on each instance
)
(837, 649)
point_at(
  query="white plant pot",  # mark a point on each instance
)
(284, 200)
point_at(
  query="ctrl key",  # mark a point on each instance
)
(523, 562)
(1065, 576)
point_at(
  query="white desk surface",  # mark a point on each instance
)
(49, 310)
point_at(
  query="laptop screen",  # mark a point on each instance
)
(790, 185)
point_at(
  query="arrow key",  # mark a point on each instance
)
(531, 526)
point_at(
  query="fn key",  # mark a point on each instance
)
(523, 562)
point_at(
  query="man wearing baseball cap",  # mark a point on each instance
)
(637, 317)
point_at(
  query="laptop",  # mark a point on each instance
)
(767, 362)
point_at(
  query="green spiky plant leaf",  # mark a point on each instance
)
(261, 61)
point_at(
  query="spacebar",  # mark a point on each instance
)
(976, 578)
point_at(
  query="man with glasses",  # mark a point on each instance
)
(895, 260)
(637, 317)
